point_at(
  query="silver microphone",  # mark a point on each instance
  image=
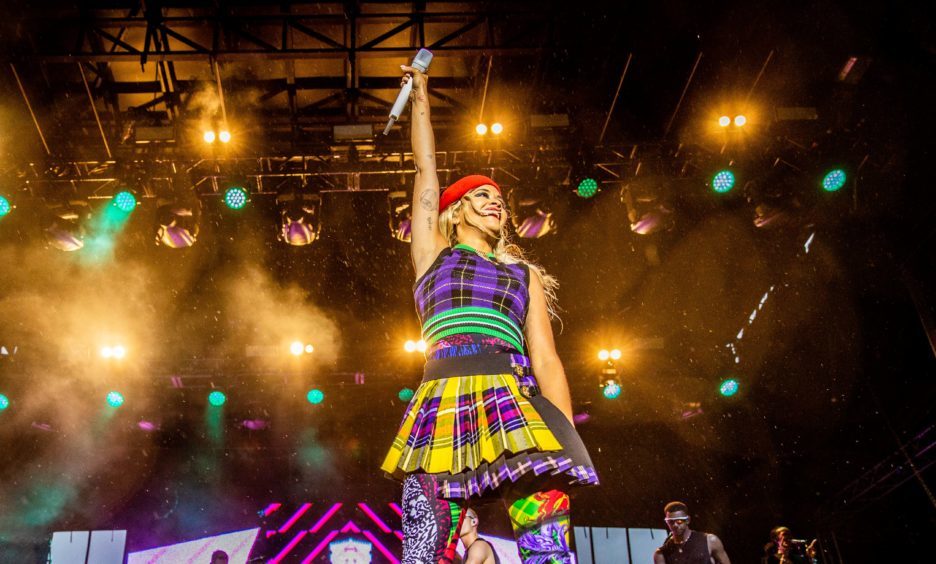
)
(420, 61)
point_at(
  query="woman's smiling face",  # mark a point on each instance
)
(485, 208)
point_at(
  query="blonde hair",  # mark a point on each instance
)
(505, 251)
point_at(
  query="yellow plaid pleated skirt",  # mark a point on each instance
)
(479, 430)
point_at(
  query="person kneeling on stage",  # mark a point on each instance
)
(685, 546)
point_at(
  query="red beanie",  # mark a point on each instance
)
(461, 187)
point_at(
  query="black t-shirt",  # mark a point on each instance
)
(693, 551)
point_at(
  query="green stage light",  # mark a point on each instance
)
(406, 394)
(728, 387)
(587, 188)
(4, 402)
(611, 390)
(315, 396)
(834, 180)
(235, 197)
(124, 201)
(217, 398)
(723, 181)
(5, 206)
(115, 399)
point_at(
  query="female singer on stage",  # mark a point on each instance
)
(492, 417)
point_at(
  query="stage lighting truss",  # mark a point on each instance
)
(401, 213)
(300, 217)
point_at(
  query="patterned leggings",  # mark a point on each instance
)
(540, 522)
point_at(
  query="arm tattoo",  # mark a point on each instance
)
(428, 224)
(429, 201)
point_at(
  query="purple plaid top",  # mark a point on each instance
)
(472, 304)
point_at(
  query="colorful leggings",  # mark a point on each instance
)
(540, 523)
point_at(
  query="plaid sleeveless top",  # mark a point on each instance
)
(468, 304)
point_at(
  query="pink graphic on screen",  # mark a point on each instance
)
(307, 532)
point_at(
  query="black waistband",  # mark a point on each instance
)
(477, 364)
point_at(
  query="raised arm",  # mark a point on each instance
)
(542, 348)
(427, 241)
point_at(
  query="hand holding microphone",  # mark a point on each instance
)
(419, 66)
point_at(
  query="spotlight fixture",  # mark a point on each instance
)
(587, 187)
(115, 399)
(657, 219)
(209, 137)
(298, 348)
(406, 394)
(124, 201)
(315, 396)
(481, 129)
(217, 398)
(177, 222)
(299, 217)
(537, 225)
(613, 354)
(65, 228)
(740, 120)
(767, 216)
(724, 121)
(728, 387)
(834, 180)
(530, 215)
(611, 389)
(497, 128)
(224, 136)
(400, 208)
(5, 206)
(236, 197)
(148, 426)
(4, 402)
(116, 352)
(723, 181)
(415, 346)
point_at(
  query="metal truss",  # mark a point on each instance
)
(255, 49)
(358, 168)
(909, 461)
